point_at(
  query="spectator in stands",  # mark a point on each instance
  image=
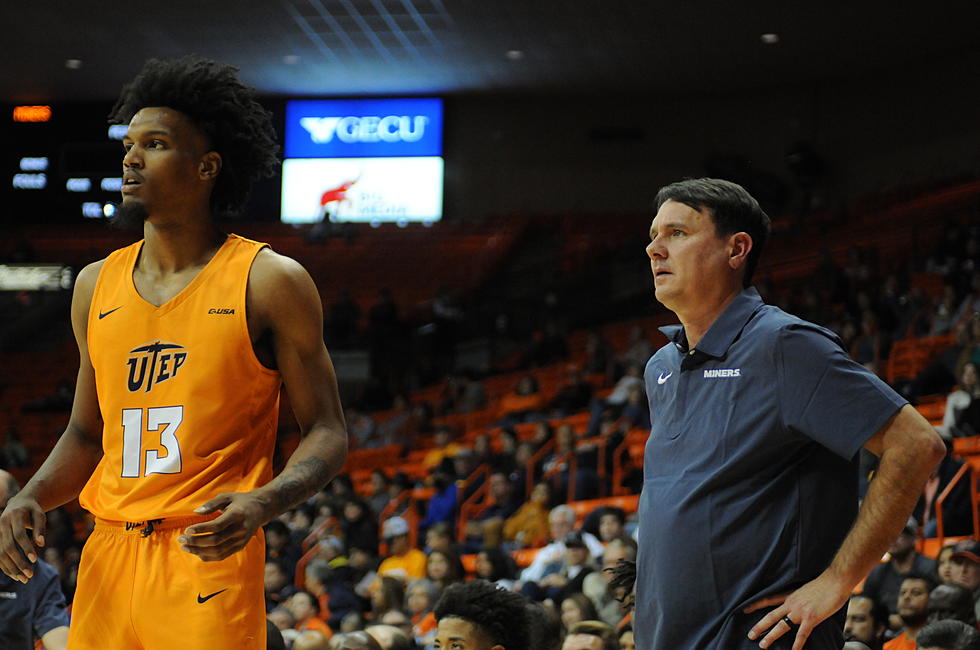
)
(403, 561)
(949, 635)
(305, 609)
(439, 537)
(441, 507)
(558, 464)
(944, 564)
(913, 608)
(403, 425)
(951, 601)
(522, 403)
(561, 521)
(443, 447)
(528, 527)
(387, 594)
(472, 396)
(477, 615)
(545, 627)
(398, 618)
(420, 598)
(390, 637)
(885, 580)
(282, 618)
(566, 577)
(572, 396)
(342, 320)
(279, 546)
(359, 525)
(14, 453)
(332, 584)
(598, 354)
(941, 375)
(547, 346)
(957, 403)
(379, 491)
(352, 622)
(362, 429)
(606, 598)
(35, 609)
(278, 585)
(358, 640)
(591, 635)
(400, 482)
(966, 569)
(612, 405)
(957, 509)
(575, 608)
(944, 315)
(443, 567)
(505, 460)
(496, 566)
(866, 621)
(312, 640)
(638, 351)
(626, 641)
(487, 526)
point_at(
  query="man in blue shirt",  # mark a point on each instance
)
(749, 527)
(35, 608)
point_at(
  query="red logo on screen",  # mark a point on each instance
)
(331, 199)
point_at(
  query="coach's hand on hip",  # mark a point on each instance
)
(805, 608)
(18, 549)
(241, 515)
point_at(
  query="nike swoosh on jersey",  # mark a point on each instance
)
(205, 599)
(663, 378)
(104, 314)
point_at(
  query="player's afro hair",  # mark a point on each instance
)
(225, 110)
(500, 614)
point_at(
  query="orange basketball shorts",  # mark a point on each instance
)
(137, 590)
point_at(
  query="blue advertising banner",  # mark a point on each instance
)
(363, 128)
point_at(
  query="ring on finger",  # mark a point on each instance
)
(789, 622)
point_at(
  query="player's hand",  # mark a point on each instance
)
(807, 607)
(18, 548)
(241, 515)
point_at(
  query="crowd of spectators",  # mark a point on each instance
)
(367, 575)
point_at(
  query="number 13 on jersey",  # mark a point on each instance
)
(167, 417)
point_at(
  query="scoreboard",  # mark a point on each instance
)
(58, 163)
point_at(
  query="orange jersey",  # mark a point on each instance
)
(189, 411)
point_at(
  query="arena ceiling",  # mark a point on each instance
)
(378, 47)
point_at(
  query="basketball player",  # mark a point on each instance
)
(185, 339)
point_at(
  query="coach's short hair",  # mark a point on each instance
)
(731, 207)
(498, 613)
(222, 107)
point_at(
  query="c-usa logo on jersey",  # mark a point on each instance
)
(153, 363)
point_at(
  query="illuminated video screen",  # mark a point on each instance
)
(366, 161)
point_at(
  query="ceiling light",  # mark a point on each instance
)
(290, 59)
(769, 38)
(515, 55)
(73, 64)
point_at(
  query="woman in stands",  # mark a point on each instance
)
(523, 402)
(576, 608)
(958, 403)
(528, 527)
(496, 566)
(443, 568)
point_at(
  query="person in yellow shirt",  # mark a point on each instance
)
(404, 561)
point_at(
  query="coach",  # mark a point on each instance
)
(750, 534)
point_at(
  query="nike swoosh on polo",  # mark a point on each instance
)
(204, 599)
(663, 378)
(104, 314)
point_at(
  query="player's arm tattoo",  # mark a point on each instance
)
(298, 482)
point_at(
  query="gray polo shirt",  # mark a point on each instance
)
(750, 473)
